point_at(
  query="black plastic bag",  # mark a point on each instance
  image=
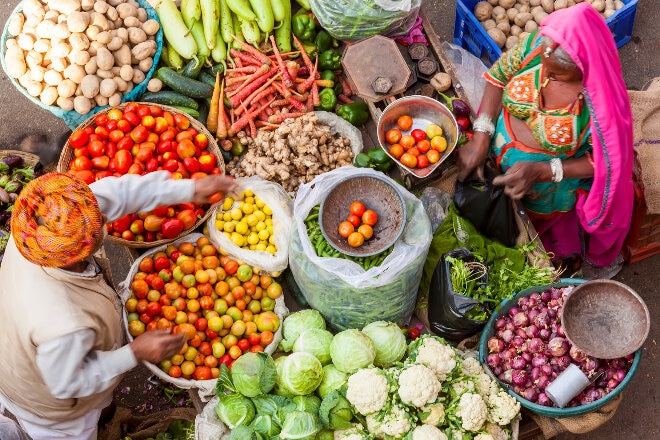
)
(487, 207)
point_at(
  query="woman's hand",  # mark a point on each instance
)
(472, 155)
(518, 179)
(208, 186)
(157, 345)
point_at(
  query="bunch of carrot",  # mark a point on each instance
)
(260, 91)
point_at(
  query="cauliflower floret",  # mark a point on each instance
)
(496, 431)
(428, 432)
(367, 390)
(354, 433)
(462, 387)
(485, 386)
(396, 423)
(483, 436)
(433, 414)
(473, 411)
(502, 408)
(439, 357)
(418, 385)
(470, 366)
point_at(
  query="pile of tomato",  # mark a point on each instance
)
(137, 140)
(224, 308)
(415, 148)
(359, 224)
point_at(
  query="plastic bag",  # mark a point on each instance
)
(487, 207)
(344, 293)
(352, 20)
(208, 425)
(469, 72)
(274, 196)
(206, 388)
(435, 202)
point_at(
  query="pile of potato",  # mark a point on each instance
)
(78, 54)
(508, 21)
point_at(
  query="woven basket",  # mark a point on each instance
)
(68, 154)
(29, 158)
(71, 117)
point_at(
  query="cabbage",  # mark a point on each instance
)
(310, 403)
(298, 322)
(300, 373)
(389, 341)
(315, 341)
(300, 425)
(351, 350)
(265, 425)
(244, 433)
(335, 412)
(333, 379)
(235, 410)
(253, 374)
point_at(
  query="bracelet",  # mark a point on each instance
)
(557, 170)
(484, 124)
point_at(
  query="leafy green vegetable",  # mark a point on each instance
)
(315, 341)
(298, 322)
(300, 373)
(235, 410)
(335, 411)
(309, 403)
(254, 374)
(333, 379)
(300, 425)
(351, 350)
(389, 341)
(265, 425)
(244, 433)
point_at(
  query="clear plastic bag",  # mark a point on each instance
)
(352, 20)
(273, 195)
(469, 72)
(435, 202)
(344, 293)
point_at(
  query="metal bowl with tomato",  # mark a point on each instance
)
(423, 112)
(139, 138)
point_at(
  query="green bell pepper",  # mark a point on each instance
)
(362, 161)
(381, 161)
(357, 113)
(329, 60)
(328, 100)
(303, 26)
(329, 75)
(323, 41)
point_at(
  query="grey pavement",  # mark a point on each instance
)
(636, 418)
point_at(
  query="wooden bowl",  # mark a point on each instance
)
(377, 193)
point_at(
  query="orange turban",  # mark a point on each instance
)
(56, 220)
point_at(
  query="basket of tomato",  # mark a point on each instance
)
(224, 308)
(139, 138)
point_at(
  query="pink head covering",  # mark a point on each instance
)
(606, 209)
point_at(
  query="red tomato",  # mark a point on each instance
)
(124, 125)
(78, 139)
(135, 168)
(181, 121)
(188, 218)
(357, 208)
(102, 132)
(84, 151)
(463, 122)
(171, 165)
(243, 344)
(369, 217)
(418, 134)
(101, 119)
(172, 227)
(123, 161)
(85, 175)
(191, 164)
(143, 111)
(96, 148)
(122, 223)
(139, 134)
(422, 161)
(101, 162)
(254, 339)
(116, 135)
(413, 333)
(207, 162)
(393, 135)
(125, 143)
(354, 220)
(81, 163)
(131, 117)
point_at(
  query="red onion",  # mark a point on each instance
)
(544, 334)
(589, 365)
(513, 310)
(611, 384)
(527, 356)
(520, 319)
(563, 362)
(535, 345)
(557, 346)
(518, 363)
(497, 370)
(517, 342)
(500, 323)
(493, 360)
(506, 335)
(620, 375)
(532, 314)
(539, 360)
(521, 333)
(509, 353)
(542, 320)
(543, 400)
(495, 345)
(532, 331)
(530, 394)
(552, 313)
(576, 354)
(535, 373)
(545, 296)
(555, 293)
(543, 382)
(546, 369)
(519, 377)
(506, 376)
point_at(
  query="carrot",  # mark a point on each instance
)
(345, 99)
(348, 91)
(309, 102)
(255, 97)
(244, 120)
(212, 118)
(238, 79)
(315, 95)
(284, 91)
(222, 114)
(246, 69)
(246, 58)
(253, 129)
(263, 72)
(299, 106)
(281, 117)
(279, 103)
(304, 86)
(251, 50)
(304, 56)
(266, 125)
(286, 78)
(285, 54)
(318, 82)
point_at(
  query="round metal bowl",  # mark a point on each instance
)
(424, 111)
(377, 193)
(605, 319)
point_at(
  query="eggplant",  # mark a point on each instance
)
(10, 162)
(23, 174)
(5, 216)
(4, 180)
(4, 196)
(456, 105)
(14, 186)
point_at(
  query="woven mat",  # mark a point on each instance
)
(646, 130)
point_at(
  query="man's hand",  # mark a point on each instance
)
(520, 178)
(157, 345)
(207, 188)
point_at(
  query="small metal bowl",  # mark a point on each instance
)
(605, 319)
(424, 111)
(377, 193)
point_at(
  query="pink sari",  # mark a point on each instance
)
(605, 211)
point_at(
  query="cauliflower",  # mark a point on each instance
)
(470, 366)
(435, 354)
(485, 386)
(496, 431)
(462, 387)
(367, 390)
(428, 432)
(433, 414)
(483, 436)
(473, 411)
(395, 423)
(418, 385)
(502, 408)
(354, 433)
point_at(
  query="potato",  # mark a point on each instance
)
(37, 73)
(531, 26)
(498, 36)
(130, 22)
(16, 24)
(138, 76)
(126, 72)
(82, 105)
(121, 84)
(99, 20)
(78, 21)
(66, 88)
(92, 32)
(504, 27)
(103, 74)
(494, 2)
(94, 47)
(64, 6)
(154, 85)
(33, 59)
(101, 100)
(104, 58)
(75, 73)
(79, 41)
(524, 8)
(136, 35)
(151, 26)
(25, 41)
(522, 19)
(59, 64)
(122, 33)
(511, 14)
(90, 86)
(515, 30)
(114, 100)
(498, 12)
(535, 3)
(599, 5)
(482, 11)
(45, 29)
(60, 50)
(560, 4)
(126, 10)
(108, 87)
(64, 103)
(144, 50)
(112, 14)
(79, 57)
(539, 16)
(506, 4)
(87, 5)
(511, 41)
(488, 24)
(91, 67)
(123, 55)
(618, 4)
(104, 37)
(142, 15)
(101, 7)
(48, 95)
(548, 5)
(114, 44)
(15, 62)
(145, 64)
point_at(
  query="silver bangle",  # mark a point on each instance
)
(484, 124)
(557, 170)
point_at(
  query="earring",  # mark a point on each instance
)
(547, 52)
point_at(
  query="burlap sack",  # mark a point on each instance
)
(646, 131)
(124, 423)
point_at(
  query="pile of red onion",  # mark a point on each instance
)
(529, 350)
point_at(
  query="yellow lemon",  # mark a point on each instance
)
(248, 193)
(253, 238)
(226, 216)
(269, 221)
(269, 228)
(247, 208)
(227, 203)
(252, 219)
(271, 248)
(249, 200)
(242, 227)
(261, 246)
(228, 227)
(260, 203)
(227, 234)
(237, 239)
(264, 234)
(236, 214)
(253, 247)
(260, 215)
(260, 226)
(220, 224)
(266, 209)
(271, 239)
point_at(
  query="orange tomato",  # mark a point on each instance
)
(422, 161)
(414, 151)
(433, 156)
(355, 239)
(393, 136)
(345, 229)
(408, 160)
(407, 141)
(423, 146)
(369, 217)
(404, 122)
(366, 231)
(439, 143)
(396, 150)
(357, 208)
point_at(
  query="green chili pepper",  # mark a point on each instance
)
(329, 60)
(357, 113)
(323, 41)
(303, 26)
(363, 161)
(328, 100)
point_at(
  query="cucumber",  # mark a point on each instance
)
(207, 78)
(190, 111)
(193, 67)
(204, 107)
(184, 85)
(169, 97)
(216, 68)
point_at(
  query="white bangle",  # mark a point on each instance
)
(484, 124)
(557, 170)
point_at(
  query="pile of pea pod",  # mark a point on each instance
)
(324, 249)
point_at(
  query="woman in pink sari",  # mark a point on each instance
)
(556, 117)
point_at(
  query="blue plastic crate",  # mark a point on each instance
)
(469, 34)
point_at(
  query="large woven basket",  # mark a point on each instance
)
(68, 154)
